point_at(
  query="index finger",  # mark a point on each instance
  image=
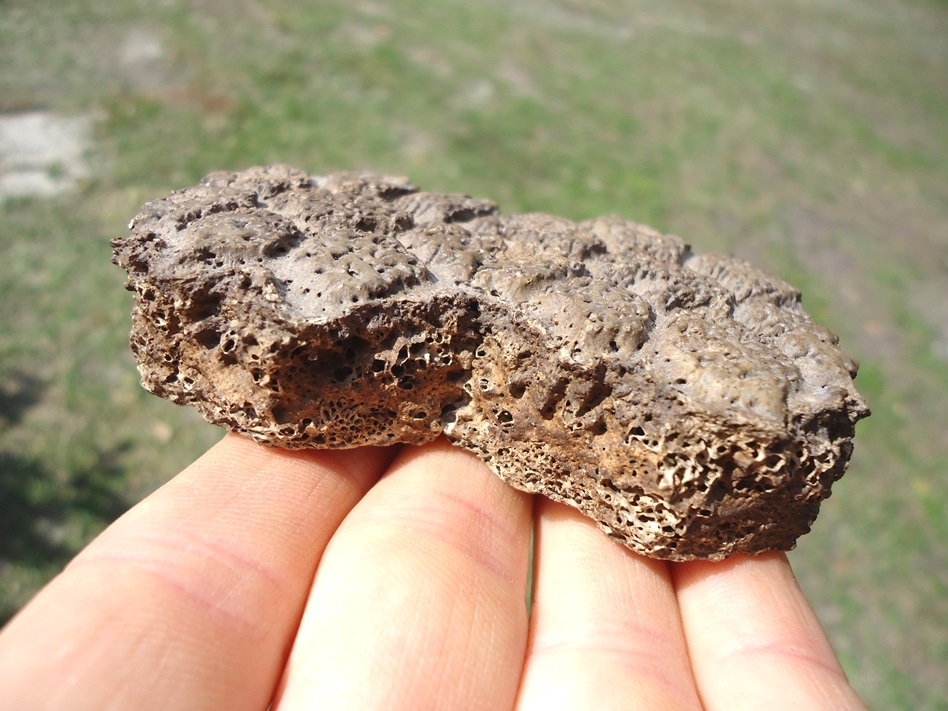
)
(192, 598)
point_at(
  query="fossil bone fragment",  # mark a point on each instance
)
(684, 402)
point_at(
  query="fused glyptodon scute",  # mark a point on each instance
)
(684, 402)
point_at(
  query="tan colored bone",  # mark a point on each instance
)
(685, 403)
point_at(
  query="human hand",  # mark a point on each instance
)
(347, 580)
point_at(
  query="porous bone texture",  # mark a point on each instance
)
(685, 403)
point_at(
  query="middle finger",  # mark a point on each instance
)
(419, 601)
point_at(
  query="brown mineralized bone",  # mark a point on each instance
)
(685, 403)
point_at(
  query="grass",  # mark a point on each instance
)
(811, 138)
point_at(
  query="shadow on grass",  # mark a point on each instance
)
(46, 517)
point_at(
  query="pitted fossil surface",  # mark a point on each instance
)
(684, 402)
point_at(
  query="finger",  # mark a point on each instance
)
(604, 630)
(419, 601)
(190, 600)
(754, 640)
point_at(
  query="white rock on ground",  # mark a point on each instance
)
(42, 154)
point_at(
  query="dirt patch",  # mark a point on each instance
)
(42, 154)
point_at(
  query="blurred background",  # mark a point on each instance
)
(808, 136)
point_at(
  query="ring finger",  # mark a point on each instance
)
(604, 631)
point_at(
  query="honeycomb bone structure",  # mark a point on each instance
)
(686, 403)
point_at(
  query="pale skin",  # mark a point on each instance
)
(396, 579)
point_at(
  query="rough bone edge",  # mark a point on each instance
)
(685, 403)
